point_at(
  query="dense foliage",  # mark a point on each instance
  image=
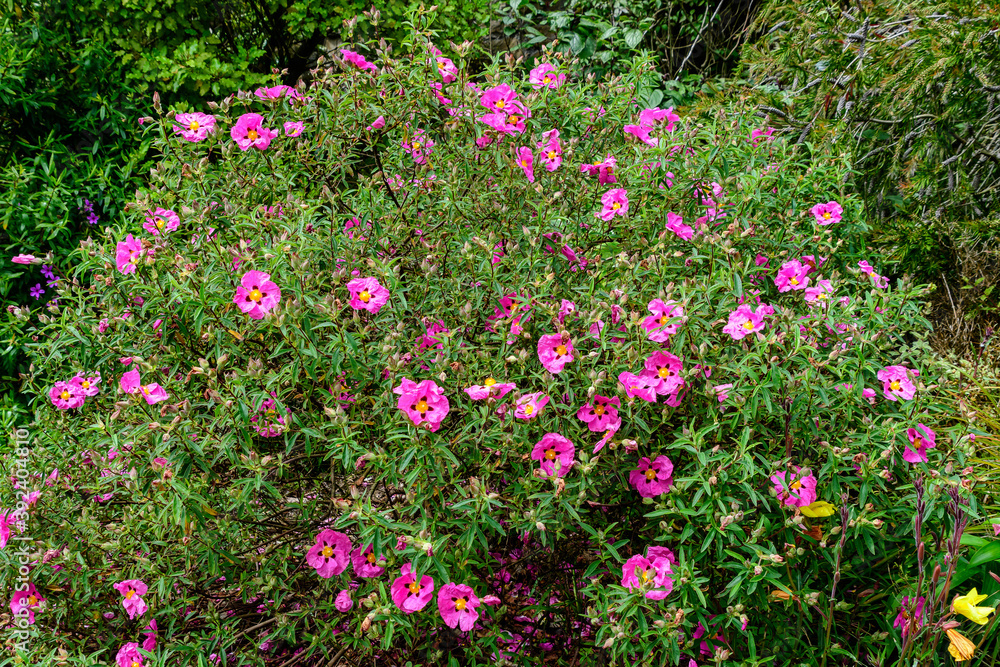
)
(596, 381)
(911, 90)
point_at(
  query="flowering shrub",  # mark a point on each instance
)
(384, 390)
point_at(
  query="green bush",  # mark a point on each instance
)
(276, 412)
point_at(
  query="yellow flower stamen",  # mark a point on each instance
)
(615, 206)
(748, 325)
(421, 406)
(255, 295)
(561, 350)
(194, 126)
(365, 296)
(552, 155)
(32, 600)
(128, 596)
(252, 135)
(500, 104)
(528, 409)
(598, 410)
(160, 223)
(793, 280)
(489, 382)
(826, 216)
(64, 395)
(460, 604)
(650, 474)
(547, 79)
(327, 551)
(414, 588)
(665, 372)
(894, 385)
(371, 557)
(85, 384)
(550, 454)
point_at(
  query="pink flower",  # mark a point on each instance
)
(792, 276)
(161, 221)
(555, 351)
(129, 656)
(641, 132)
(127, 254)
(6, 520)
(757, 134)
(550, 150)
(66, 395)
(869, 394)
(422, 402)
(267, 422)
(26, 259)
(605, 170)
(194, 127)
(675, 224)
(911, 615)
(357, 60)
(664, 320)
(276, 93)
(420, 146)
(530, 406)
(330, 554)
(447, 69)
(615, 202)
(457, 604)
(343, 603)
(409, 593)
(552, 450)
(658, 116)
(24, 603)
(149, 644)
(896, 383)
(129, 382)
(820, 291)
(545, 76)
(722, 391)
(742, 322)
(600, 413)
(153, 393)
(365, 562)
(499, 98)
(566, 308)
(526, 160)
(249, 132)
(662, 372)
(293, 128)
(490, 389)
(638, 386)
(799, 491)
(377, 124)
(257, 295)
(133, 590)
(650, 575)
(651, 478)
(367, 294)
(922, 438)
(828, 213)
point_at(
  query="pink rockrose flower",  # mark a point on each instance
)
(651, 575)
(820, 292)
(87, 385)
(457, 604)
(526, 161)
(24, 603)
(194, 127)
(662, 372)
(566, 308)
(896, 383)
(447, 69)
(132, 590)
(330, 554)
(344, 603)
(555, 454)
(921, 439)
(293, 128)
(276, 93)
(249, 132)
(127, 254)
(795, 489)
(422, 402)
(357, 60)
(365, 563)
(530, 406)
(490, 389)
(554, 352)
(600, 412)
(161, 221)
(722, 391)
(869, 394)
(419, 146)
(742, 322)
(130, 381)
(605, 170)
(410, 593)
(641, 132)
(757, 134)
(638, 386)
(546, 76)
(6, 520)
(550, 150)
(66, 395)
(129, 656)
(675, 224)
(257, 295)
(377, 124)
(149, 644)
(498, 99)
(26, 259)
(828, 213)
(664, 320)
(792, 276)
(651, 478)
(614, 202)
(367, 294)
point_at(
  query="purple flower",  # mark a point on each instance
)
(37, 291)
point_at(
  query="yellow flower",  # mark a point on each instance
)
(966, 606)
(820, 508)
(960, 648)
